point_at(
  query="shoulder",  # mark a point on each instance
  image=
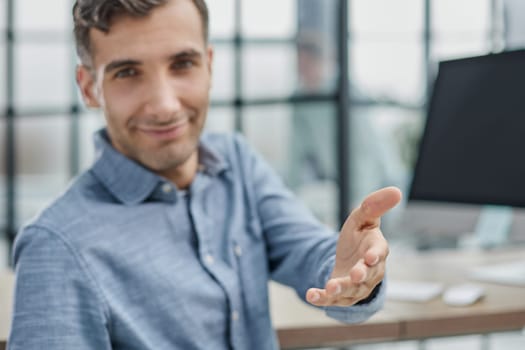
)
(72, 208)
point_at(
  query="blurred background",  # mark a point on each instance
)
(332, 92)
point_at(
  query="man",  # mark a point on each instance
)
(168, 240)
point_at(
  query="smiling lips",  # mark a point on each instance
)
(166, 132)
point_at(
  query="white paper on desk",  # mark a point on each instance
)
(413, 291)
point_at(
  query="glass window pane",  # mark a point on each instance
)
(514, 25)
(299, 142)
(267, 70)
(3, 16)
(445, 48)
(89, 122)
(38, 15)
(316, 45)
(43, 76)
(269, 18)
(267, 128)
(317, 67)
(3, 82)
(223, 73)
(452, 16)
(387, 71)
(383, 144)
(386, 17)
(222, 18)
(312, 138)
(312, 166)
(461, 29)
(42, 162)
(220, 119)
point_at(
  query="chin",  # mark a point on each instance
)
(167, 161)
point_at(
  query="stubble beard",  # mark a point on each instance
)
(168, 157)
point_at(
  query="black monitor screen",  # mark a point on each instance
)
(473, 146)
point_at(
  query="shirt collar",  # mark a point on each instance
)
(132, 183)
(210, 161)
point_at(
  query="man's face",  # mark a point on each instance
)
(152, 76)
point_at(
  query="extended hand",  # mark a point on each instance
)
(360, 255)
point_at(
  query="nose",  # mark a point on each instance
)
(162, 99)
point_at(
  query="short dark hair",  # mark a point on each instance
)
(99, 14)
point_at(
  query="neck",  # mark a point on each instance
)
(183, 175)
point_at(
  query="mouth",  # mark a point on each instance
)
(166, 132)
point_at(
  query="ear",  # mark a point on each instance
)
(86, 83)
(209, 53)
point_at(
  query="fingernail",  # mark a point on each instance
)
(375, 261)
(314, 297)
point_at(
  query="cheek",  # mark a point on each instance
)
(197, 88)
(119, 105)
(199, 95)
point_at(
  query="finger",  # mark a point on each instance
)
(359, 274)
(317, 297)
(344, 285)
(359, 271)
(341, 287)
(373, 207)
(377, 252)
(351, 292)
(376, 274)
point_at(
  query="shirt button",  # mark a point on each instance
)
(238, 250)
(167, 188)
(209, 259)
(235, 315)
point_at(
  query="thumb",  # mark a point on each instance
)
(373, 207)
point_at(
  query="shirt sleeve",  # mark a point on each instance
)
(56, 304)
(301, 250)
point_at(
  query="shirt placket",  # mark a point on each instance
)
(225, 276)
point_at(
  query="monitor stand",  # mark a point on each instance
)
(493, 225)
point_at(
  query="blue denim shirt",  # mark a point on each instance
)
(125, 260)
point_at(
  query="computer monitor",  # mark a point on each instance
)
(473, 146)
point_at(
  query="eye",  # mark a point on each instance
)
(126, 73)
(184, 64)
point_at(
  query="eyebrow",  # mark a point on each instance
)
(191, 53)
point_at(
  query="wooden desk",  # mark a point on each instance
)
(299, 325)
(503, 308)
